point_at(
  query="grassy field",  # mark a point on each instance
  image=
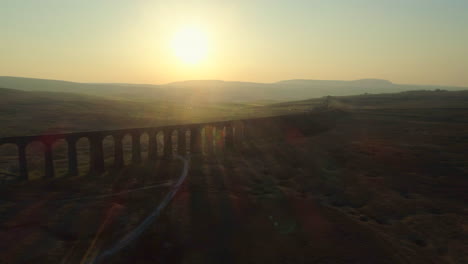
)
(383, 182)
(29, 113)
(32, 113)
(379, 186)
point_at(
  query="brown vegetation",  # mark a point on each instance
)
(381, 186)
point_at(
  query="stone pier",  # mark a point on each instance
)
(205, 138)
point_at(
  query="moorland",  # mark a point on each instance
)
(386, 182)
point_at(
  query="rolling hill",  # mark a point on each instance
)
(39, 112)
(202, 91)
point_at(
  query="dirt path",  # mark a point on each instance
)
(220, 217)
(372, 190)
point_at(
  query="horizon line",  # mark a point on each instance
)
(220, 80)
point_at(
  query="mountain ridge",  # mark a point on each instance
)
(218, 90)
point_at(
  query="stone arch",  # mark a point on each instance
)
(9, 162)
(160, 143)
(229, 135)
(35, 159)
(238, 130)
(167, 143)
(219, 137)
(188, 136)
(195, 139)
(203, 139)
(118, 150)
(127, 148)
(83, 155)
(182, 141)
(72, 156)
(208, 139)
(144, 143)
(108, 143)
(152, 145)
(60, 157)
(175, 141)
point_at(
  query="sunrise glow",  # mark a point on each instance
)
(190, 45)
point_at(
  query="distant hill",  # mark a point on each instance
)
(118, 91)
(421, 99)
(39, 112)
(330, 83)
(201, 91)
(23, 112)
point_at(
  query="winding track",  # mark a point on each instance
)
(134, 234)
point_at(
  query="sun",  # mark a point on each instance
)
(190, 45)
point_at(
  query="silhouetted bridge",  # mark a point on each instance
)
(191, 138)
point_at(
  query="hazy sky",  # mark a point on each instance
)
(406, 41)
